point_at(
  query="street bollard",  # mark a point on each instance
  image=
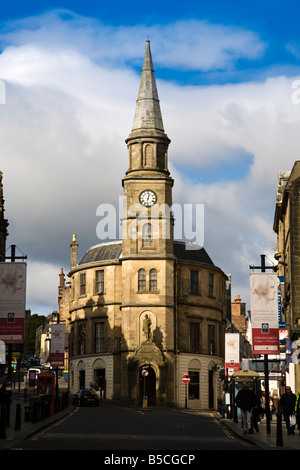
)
(35, 412)
(18, 418)
(2, 422)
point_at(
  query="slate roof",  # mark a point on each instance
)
(113, 251)
(189, 252)
(103, 252)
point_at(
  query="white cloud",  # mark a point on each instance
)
(42, 282)
(188, 44)
(68, 112)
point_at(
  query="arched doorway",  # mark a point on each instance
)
(147, 385)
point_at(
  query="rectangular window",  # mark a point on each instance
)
(194, 386)
(194, 282)
(211, 285)
(99, 337)
(100, 281)
(81, 338)
(211, 339)
(82, 284)
(194, 337)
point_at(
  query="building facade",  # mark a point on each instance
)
(3, 222)
(146, 310)
(287, 228)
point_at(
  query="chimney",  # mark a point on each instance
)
(61, 278)
(238, 314)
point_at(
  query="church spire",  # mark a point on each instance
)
(148, 115)
(147, 142)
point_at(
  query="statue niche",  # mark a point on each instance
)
(147, 325)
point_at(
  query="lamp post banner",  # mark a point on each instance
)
(264, 313)
(12, 302)
(232, 353)
(57, 350)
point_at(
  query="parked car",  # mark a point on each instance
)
(85, 398)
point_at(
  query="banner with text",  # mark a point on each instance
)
(57, 350)
(12, 302)
(264, 313)
(232, 353)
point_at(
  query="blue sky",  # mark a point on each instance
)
(273, 22)
(225, 72)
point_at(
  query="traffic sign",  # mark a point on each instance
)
(186, 379)
(145, 372)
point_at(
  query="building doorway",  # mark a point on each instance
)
(147, 385)
(99, 379)
(81, 379)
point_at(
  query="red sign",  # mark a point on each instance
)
(231, 368)
(145, 372)
(186, 379)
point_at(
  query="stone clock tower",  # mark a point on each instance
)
(147, 185)
(147, 241)
(146, 310)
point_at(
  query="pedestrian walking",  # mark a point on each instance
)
(256, 411)
(244, 401)
(288, 402)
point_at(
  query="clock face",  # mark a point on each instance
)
(148, 198)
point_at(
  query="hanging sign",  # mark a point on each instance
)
(57, 349)
(12, 302)
(264, 313)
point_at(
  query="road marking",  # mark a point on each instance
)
(41, 433)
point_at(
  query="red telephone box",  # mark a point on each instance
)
(45, 387)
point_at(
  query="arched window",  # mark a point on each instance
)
(147, 237)
(141, 280)
(153, 280)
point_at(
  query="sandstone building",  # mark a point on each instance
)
(146, 302)
(287, 227)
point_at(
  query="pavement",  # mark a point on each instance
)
(27, 428)
(273, 440)
(267, 439)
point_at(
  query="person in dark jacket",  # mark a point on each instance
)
(288, 401)
(256, 410)
(244, 400)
